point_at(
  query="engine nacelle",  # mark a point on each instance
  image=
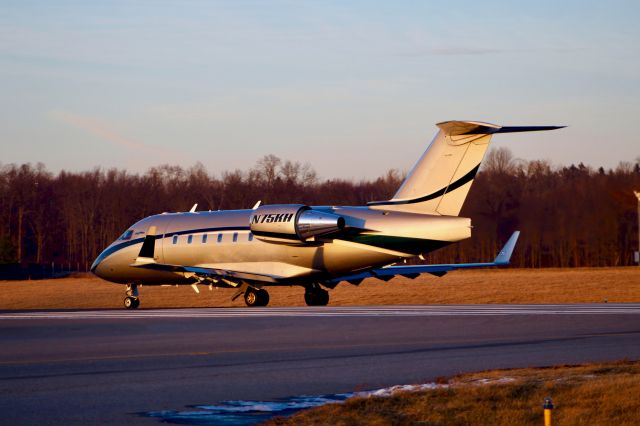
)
(292, 223)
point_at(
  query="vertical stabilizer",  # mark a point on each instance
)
(441, 179)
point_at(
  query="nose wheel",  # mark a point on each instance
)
(132, 301)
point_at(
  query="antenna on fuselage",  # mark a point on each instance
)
(193, 209)
(256, 205)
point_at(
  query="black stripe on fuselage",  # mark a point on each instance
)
(455, 185)
(279, 235)
(110, 250)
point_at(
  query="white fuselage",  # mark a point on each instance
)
(223, 240)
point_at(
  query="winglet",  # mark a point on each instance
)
(504, 257)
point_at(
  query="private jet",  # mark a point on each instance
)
(315, 247)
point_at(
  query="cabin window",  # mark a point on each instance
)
(175, 239)
(127, 235)
(250, 236)
(189, 239)
(204, 239)
(235, 237)
(219, 238)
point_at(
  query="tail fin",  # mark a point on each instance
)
(441, 179)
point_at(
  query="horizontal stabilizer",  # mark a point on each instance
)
(459, 128)
(502, 259)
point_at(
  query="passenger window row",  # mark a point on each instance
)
(206, 236)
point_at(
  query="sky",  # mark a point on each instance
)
(352, 87)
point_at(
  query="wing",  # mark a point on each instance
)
(412, 271)
(203, 272)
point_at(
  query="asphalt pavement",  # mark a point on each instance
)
(143, 367)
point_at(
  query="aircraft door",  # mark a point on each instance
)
(163, 226)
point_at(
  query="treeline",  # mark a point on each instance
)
(569, 216)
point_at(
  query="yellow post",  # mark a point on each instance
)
(548, 407)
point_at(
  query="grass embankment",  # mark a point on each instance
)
(583, 285)
(597, 394)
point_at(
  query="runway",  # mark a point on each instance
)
(68, 367)
(376, 311)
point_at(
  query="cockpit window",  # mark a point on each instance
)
(127, 235)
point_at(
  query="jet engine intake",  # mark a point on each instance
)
(292, 223)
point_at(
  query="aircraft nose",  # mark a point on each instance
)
(97, 266)
(94, 265)
(112, 263)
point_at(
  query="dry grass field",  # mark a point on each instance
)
(584, 285)
(597, 394)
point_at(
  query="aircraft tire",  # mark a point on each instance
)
(131, 302)
(263, 297)
(251, 297)
(323, 298)
(316, 297)
(254, 297)
(310, 298)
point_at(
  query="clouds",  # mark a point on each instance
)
(105, 144)
(138, 83)
(99, 130)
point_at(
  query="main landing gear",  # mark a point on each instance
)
(256, 297)
(132, 301)
(315, 295)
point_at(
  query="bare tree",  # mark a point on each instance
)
(569, 216)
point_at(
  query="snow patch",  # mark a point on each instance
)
(386, 392)
(498, 381)
(240, 412)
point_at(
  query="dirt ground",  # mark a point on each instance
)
(521, 286)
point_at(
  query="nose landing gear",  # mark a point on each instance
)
(132, 301)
